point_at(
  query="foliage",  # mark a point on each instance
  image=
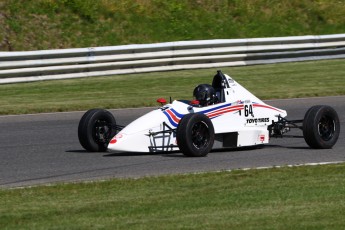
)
(51, 24)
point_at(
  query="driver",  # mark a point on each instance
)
(205, 94)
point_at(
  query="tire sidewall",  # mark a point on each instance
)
(184, 135)
(311, 127)
(86, 129)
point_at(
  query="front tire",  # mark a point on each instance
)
(95, 130)
(195, 135)
(321, 127)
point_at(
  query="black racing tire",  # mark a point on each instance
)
(195, 135)
(95, 130)
(321, 127)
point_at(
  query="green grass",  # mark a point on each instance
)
(56, 24)
(287, 80)
(308, 197)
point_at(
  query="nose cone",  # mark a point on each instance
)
(122, 142)
(135, 136)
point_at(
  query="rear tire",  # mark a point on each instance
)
(195, 135)
(321, 127)
(95, 130)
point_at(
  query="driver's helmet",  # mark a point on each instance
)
(205, 94)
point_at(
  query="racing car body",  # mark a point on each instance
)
(239, 119)
(236, 119)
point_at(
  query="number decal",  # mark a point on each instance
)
(248, 110)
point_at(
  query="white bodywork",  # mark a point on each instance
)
(241, 119)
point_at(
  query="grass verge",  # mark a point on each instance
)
(286, 80)
(307, 197)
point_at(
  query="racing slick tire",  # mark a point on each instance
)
(321, 127)
(195, 135)
(95, 130)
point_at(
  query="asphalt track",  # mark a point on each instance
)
(44, 148)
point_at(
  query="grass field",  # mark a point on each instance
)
(285, 80)
(57, 24)
(306, 197)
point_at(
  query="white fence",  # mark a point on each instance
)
(29, 66)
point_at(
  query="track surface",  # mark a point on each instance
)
(44, 148)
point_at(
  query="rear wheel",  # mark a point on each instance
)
(195, 135)
(95, 130)
(321, 127)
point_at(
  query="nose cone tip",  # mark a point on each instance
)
(116, 142)
(129, 143)
(116, 139)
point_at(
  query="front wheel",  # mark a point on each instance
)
(321, 127)
(195, 135)
(95, 130)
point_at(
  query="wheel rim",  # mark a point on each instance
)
(200, 135)
(102, 131)
(326, 128)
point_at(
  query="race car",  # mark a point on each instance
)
(221, 115)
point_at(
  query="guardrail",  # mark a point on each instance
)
(26, 66)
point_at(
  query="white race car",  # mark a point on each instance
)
(223, 115)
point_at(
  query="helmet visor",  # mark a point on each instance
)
(201, 96)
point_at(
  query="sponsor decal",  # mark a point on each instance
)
(258, 120)
(113, 141)
(118, 136)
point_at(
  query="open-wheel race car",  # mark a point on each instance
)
(222, 115)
